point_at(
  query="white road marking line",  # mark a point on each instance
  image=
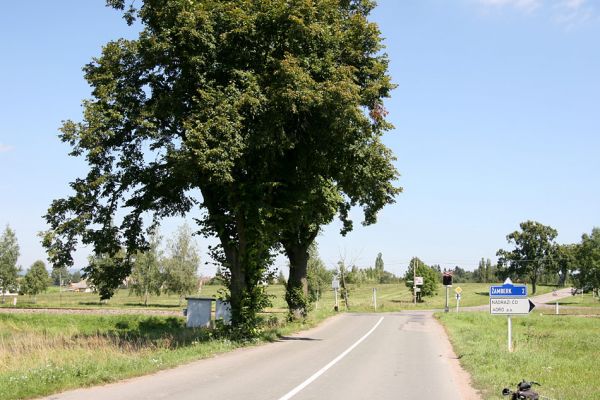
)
(320, 372)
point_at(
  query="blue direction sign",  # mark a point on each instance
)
(508, 290)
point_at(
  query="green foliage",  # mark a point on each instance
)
(146, 275)
(430, 276)
(36, 279)
(60, 276)
(182, 263)
(271, 110)
(75, 276)
(106, 273)
(379, 263)
(319, 277)
(485, 272)
(534, 251)
(280, 278)
(460, 275)
(9, 253)
(588, 259)
(297, 297)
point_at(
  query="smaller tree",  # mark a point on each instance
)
(36, 280)
(75, 276)
(9, 254)
(430, 277)
(379, 268)
(59, 276)
(281, 278)
(181, 267)
(319, 277)
(146, 275)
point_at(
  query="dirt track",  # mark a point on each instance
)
(91, 311)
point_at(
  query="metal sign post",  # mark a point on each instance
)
(510, 347)
(458, 292)
(446, 309)
(335, 285)
(375, 298)
(510, 300)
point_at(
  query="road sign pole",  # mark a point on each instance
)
(510, 348)
(446, 309)
(557, 308)
(457, 302)
(336, 300)
(414, 283)
(375, 298)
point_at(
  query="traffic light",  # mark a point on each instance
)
(447, 279)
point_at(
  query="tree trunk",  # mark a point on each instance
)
(297, 284)
(246, 250)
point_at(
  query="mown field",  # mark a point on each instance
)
(580, 300)
(560, 352)
(390, 297)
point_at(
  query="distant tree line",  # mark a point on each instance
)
(152, 271)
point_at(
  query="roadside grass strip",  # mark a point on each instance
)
(41, 354)
(559, 352)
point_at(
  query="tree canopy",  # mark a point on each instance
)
(430, 276)
(267, 115)
(535, 249)
(588, 257)
(36, 279)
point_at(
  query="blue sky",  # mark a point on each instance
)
(496, 120)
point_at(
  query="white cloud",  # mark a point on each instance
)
(5, 148)
(564, 12)
(525, 5)
(573, 4)
(573, 12)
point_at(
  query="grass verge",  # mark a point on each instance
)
(560, 352)
(41, 354)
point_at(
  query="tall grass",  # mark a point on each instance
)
(44, 353)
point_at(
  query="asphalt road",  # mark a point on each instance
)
(403, 355)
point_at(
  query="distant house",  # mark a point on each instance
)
(80, 287)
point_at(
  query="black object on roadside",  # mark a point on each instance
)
(523, 391)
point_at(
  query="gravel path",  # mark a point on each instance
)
(91, 311)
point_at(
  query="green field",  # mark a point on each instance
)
(396, 297)
(44, 353)
(390, 297)
(560, 352)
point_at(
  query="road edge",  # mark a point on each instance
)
(459, 374)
